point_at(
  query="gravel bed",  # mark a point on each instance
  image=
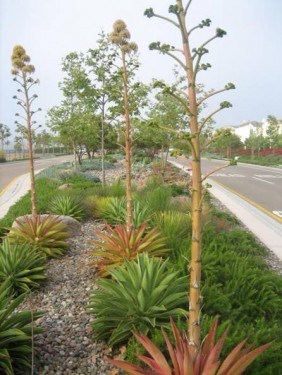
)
(67, 346)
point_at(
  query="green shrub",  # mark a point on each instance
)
(15, 333)
(47, 234)
(141, 297)
(2, 157)
(176, 226)
(64, 204)
(53, 172)
(158, 199)
(22, 266)
(94, 164)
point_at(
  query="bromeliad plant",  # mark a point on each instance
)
(22, 266)
(183, 361)
(140, 296)
(15, 333)
(48, 234)
(120, 244)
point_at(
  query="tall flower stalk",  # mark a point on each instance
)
(190, 60)
(121, 37)
(22, 70)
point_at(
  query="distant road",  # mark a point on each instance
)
(10, 170)
(258, 185)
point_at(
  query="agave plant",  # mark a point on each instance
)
(67, 205)
(112, 209)
(22, 266)
(120, 244)
(15, 333)
(140, 296)
(206, 362)
(47, 234)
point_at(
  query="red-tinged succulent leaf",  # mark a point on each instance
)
(155, 353)
(155, 366)
(120, 244)
(183, 362)
(171, 353)
(211, 369)
(130, 368)
(187, 362)
(239, 367)
(232, 357)
(208, 343)
(213, 356)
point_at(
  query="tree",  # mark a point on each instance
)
(69, 118)
(101, 61)
(273, 132)
(190, 60)
(43, 140)
(4, 135)
(255, 141)
(22, 71)
(120, 36)
(225, 140)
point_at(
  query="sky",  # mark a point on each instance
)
(249, 55)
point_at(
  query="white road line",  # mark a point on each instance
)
(272, 183)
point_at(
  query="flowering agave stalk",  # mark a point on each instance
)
(184, 362)
(121, 37)
(22, 69)
(190, 60)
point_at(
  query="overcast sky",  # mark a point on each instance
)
(249, 56)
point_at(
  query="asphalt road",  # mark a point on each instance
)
(11, 170)
(260, 186)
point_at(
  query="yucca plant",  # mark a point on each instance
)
(140, 296)
(67, 205)
(183, 362)
(120, 244)
(15, 333)
(22, 266)
(47, 234)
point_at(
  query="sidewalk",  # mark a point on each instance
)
(18, 187)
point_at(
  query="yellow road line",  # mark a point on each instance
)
(9, 185)
(251, 202)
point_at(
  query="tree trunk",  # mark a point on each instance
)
(127, 148)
